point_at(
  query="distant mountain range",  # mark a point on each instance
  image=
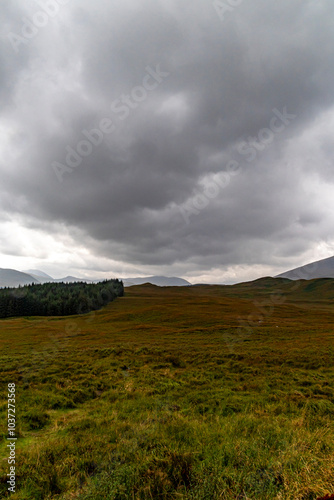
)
(13, 278)
(39, 275)
(319, 269)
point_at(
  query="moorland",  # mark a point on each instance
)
(202, 392)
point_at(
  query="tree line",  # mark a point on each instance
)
(58, 299)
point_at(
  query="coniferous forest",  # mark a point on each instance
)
(58, 299)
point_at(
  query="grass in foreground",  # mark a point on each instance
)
(161, 395)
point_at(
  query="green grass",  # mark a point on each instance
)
(174, 393)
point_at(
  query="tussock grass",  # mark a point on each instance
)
(160, 396)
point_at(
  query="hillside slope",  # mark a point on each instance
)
(156, 280)
(13, 278)
(319, 269)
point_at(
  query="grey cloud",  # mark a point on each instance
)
(225, 79)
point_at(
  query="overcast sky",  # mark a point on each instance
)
(186, 138)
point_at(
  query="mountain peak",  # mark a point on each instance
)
(323, 268)
(13, 278)
(37, 272)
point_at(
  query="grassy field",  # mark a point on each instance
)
(206, 392)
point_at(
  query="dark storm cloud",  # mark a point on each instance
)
(222, 83)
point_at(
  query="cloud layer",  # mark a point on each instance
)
(153, 136)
